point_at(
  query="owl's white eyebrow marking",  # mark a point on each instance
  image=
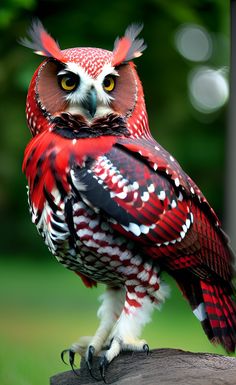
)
(65, 72)
(114, 73)
(78, 70)
(108, 69)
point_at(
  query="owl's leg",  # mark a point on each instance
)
(109, 311)
(139, 304)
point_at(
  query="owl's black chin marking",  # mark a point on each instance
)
(75, 126)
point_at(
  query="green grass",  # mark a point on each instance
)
(44, 308)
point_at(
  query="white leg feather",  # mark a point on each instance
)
(109, 311)
(135, 315)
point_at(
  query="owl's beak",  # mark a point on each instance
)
(90, 103)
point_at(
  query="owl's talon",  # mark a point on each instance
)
(71, 359)
(89, 361)
(110, 343)
(104, 363)
(146, 349)
(63, 354)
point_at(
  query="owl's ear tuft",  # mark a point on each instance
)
(128, 47)
(41, 42)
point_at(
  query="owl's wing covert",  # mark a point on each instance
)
(150, 206)
(143, 204)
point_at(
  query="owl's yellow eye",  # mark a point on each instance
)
(109, 83)
(68, 82)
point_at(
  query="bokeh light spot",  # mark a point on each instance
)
(193, 42)
(208, 89)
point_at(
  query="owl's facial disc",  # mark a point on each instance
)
(69, 88)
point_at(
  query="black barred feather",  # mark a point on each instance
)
(218, 310)
(221, 312)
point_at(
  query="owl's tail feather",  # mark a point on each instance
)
(214, 306)
(220, 312)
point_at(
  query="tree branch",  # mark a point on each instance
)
(161, 366)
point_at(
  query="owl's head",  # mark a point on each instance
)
(89, 83)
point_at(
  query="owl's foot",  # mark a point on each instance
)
(89, 351)
(84, 348)
(118, 329)
(118, 345)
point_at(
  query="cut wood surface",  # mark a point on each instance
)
(161, 366)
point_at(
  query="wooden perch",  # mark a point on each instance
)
(161, 366)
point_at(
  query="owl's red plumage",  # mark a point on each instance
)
(117, 208)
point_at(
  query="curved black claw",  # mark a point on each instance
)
(89, 361)
(71, 358)
(62, 355)
(104, 363)
(110, 343)
(146, 348)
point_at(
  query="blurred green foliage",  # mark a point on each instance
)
(39, 302)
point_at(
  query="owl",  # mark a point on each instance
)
(112, 205)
